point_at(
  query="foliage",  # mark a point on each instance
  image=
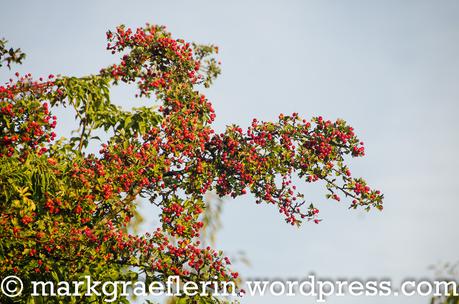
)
(10, 55)
(64, 212)
(448, 273)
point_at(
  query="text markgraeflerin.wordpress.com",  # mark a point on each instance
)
(12, 286)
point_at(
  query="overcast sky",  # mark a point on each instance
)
(389, 68)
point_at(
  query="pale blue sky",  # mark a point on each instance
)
(390, 68)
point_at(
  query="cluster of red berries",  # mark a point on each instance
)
(89, 200)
